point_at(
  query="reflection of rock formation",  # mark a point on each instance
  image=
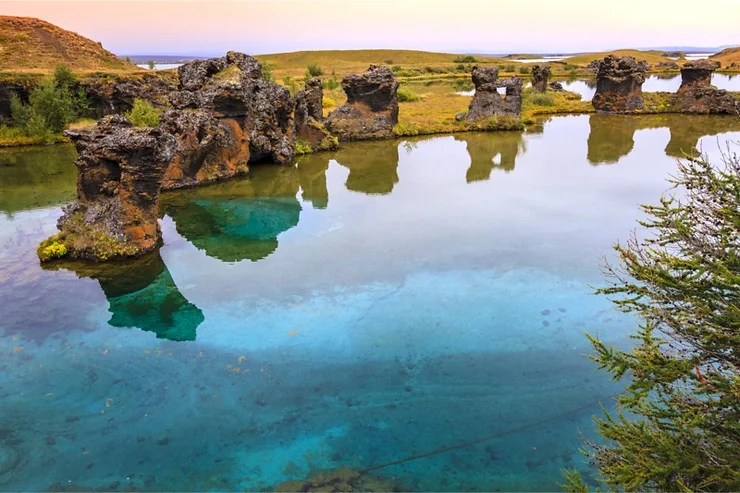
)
(312, 177)
(142, 294)
(371, 109)
(612, 137)
(37, 177)
(487, 102)
(619, 84)
(238, 220)
(373, 166)
(489, 151)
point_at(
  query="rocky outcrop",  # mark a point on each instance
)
(697, 95)
(487, 102)
(667, 66)
(115, 95)
(619, 84)
(311, 134)
(371, 110)
(540, 75)
(20, 87)
(209, 149)
(120, 171)
(225, 116)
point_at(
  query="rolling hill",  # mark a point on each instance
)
(728, 56)
(32, 45)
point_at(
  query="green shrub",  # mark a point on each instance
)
(143, 114)
(55, 105)
(19, 112)
(150, 64)
(396, 69)
(510, 68)
(63, 77)
(267, 72)
(465, 59)
(291, 84)
(523, 70)
(331, 84)
(388, 61)
(314, 71)
(406, 95)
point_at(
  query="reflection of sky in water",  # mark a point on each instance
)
(415, 296)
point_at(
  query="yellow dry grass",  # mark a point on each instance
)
(35, 46)
(728, 56)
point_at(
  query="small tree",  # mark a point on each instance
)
(681, 430)
(64, 78)
(151, 64)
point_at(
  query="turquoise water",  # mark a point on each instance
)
(384, 301)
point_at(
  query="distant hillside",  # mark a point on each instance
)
(728, 56)
(33, 45)
(653, 57)
(343, 62)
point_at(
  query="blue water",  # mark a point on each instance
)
(367, 305)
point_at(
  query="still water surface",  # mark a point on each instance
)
(386, 300)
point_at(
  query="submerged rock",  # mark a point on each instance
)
(310, 131)
(697, 95)
(371, 110)
(487, 102)
(619, 84)
(120, 171)
(540, 75)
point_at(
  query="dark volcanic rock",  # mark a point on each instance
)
(371, 110)
(487, 102)
(120, 170)
(667, 66)
(309, 116)
(697, 95)
(556, 86)
(111, 96)
(209, 149)
(619, 84)
(225, 117)
(20, 87)
(540, 74)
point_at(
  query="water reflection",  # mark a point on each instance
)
(241, 219)
(487, 154)
(611, 139)
(654, 83)
(37, 177)
(142, 294)
(373, 166)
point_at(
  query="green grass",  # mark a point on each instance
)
(406, 95)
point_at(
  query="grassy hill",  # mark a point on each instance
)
(344, 62)
(728, 56)
(35, 46)
(653, 57)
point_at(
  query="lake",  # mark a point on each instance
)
(654, 83)
(418, 302)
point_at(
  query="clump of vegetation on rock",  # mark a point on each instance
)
(144, 114)
(677, 425)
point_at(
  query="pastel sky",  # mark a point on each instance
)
(474, 26)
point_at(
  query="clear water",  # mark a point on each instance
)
(160, 66)
(384, 301)
(654, 83)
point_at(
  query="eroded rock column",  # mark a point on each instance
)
(120, 171)
(371, 110)
(697, 95)
(619, 84)
(540, 76)
(311, 134)
(487, 102)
